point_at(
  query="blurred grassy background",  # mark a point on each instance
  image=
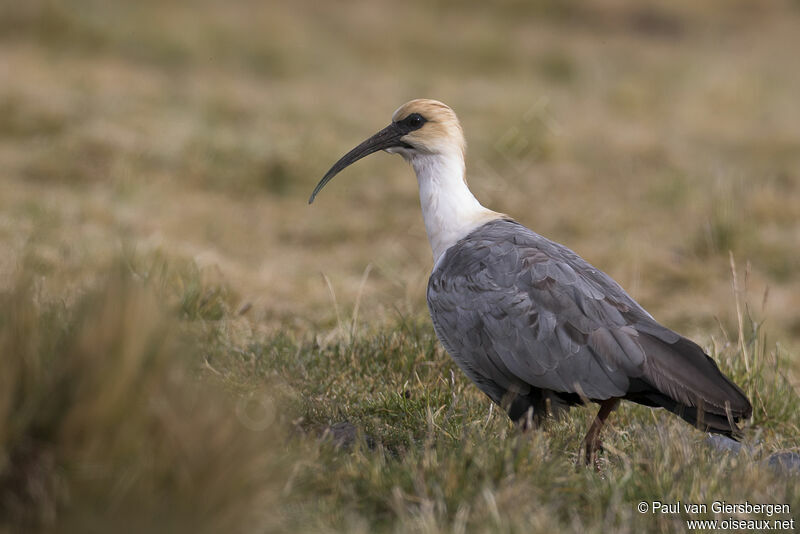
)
(653, 139)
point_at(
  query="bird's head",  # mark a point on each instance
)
(420, 127)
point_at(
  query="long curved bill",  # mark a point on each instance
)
(387, 138)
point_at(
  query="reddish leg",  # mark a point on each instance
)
(592, 440)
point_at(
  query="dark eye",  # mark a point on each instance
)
(415, 120)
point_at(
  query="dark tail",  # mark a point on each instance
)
(683, 379)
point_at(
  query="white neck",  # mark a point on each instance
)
(449, 209)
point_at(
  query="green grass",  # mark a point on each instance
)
(148, 404)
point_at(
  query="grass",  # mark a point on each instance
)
(149, 404)
(106, 419)
(188, 346)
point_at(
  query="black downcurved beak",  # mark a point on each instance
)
(387, 138)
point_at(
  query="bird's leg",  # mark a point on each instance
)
(522, 410)
(592, 440)
(528, 421)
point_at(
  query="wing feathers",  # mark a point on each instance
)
(686, 374)
(516, 310)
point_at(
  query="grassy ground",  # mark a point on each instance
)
(179, 328)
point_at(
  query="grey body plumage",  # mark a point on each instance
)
(528, 320)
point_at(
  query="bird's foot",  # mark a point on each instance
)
(591, 447)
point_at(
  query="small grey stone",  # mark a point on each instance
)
(724, 443)
(344, 434)
(786, 462)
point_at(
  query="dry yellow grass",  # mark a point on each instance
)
(652, 140)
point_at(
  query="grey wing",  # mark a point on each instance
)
(535, 314)
(516, 311)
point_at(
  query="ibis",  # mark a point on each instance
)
(535, 326)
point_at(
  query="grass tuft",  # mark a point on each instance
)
(105, 424)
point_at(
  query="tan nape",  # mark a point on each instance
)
(441, 132)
